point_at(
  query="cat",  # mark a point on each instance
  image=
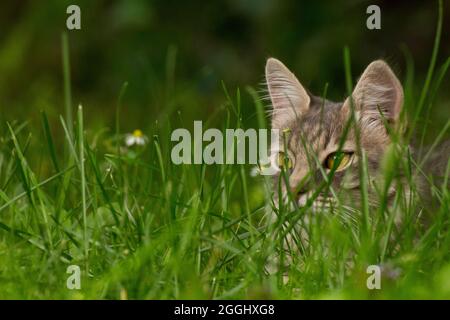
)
(325, 141)
(324, 147)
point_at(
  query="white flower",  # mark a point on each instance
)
(262, 170)
(255, 171)
(135, 138)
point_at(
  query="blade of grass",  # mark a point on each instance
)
(48, 136)
(67, 85)
(425, 89)
(83, 184)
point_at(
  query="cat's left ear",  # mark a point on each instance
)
(377, 94)
(289, 99)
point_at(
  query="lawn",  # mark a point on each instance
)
(139, 226)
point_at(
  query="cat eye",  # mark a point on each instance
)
(339, 159)
(284, 161)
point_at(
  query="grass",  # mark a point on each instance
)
(141, 227)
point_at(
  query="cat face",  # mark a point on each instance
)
(324, 141)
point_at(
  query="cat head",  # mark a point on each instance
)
(320, 136)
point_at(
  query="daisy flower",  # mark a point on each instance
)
(135, 138)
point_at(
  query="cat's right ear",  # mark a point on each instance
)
(377, 95)
(289, 99)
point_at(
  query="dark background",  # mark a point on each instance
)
(204, 42)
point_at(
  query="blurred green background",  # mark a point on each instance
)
(174, 54)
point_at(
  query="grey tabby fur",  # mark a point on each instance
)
(313, 129)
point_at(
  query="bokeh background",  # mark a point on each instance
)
(174, 54)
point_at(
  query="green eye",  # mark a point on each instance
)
(338, 159)
(284, 161)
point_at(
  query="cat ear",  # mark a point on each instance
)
(289, 98)
(377, 94)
